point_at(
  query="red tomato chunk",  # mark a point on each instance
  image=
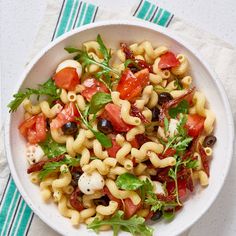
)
(67, 78)
(168, 60)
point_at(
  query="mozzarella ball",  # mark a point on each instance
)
(70, 63)
(158, 187)
(88, 184)
(172, 127)
(34, 153)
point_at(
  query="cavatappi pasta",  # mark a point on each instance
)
(113, 123)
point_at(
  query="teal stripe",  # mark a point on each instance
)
(81, 14)
(69, 27)
(143, 11)
(64, 20)
(22, 220)
(9, 206)
(89, 14)
(150, 12)
(164, 18)
(158, 15)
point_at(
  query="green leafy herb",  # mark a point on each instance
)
(146, 189)
(173, 174)
(178, 84)
(133, 63)
(160, 89)
(104, 74)
(182, 107)
(135, 225)
(51, 167)
(48, 88)
(52, 148)
(128, 181)
(191, 164)
(101, 137)
(181, 125)
(166, 125)
(98, 101)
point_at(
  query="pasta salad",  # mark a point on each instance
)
(117, 138)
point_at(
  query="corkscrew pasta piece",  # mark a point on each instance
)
(45, 187)
(107, 210)
(183, 67)
(34, 177)
(85, 157)
(140, 154)
(93, 46)
(130, 135)
(64, 178)
(69, 213)
(30, 108)
(58, 135)
(97, 149)
(118, 170)
(186, 81)
(96, 165)
(161, 163)
(125, 109)
(97, 216)
(87, 213)
(123, 152)
(50, 112)
(88, 199)
(63, 96)
(122, 194)
(202, 176)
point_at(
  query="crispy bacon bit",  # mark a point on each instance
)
(204, 159)
(130, 55)
(74, 201)
(173, 102)
(39, 166)
(137, 113)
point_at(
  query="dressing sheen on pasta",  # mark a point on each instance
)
(119, 135)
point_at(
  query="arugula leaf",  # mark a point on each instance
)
(166, 125)
(182, 107)
(72, 49)
(146, 188)
(103, 49)
(101, 137)
(135, 225)
(98, 101)
(128, 181)
(51, 167)
(191, 164)
(52, 148)
(48, 88)
(180, 126)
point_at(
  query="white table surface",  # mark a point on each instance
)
(20, 21)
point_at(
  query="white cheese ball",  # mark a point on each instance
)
(34, 153)
(88, 184)
(70, 63)
(173, 127)
(158, 187)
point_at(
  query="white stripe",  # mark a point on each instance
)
(59, 21)
(148, 13)
(71, 12)
(22, 213)
(8, 212)
(160, 16)
(85, 11)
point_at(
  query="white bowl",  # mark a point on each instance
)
(44, 65)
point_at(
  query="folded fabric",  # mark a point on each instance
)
(16, 218)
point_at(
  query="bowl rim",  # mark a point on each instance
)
(136, 23)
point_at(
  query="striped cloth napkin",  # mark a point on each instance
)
(16, 218)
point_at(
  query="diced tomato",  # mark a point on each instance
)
(68, 114)
(131, 85)
(168, 153)
(134, 143)
(114, 149)
(129, 208)
(182, 187)
(34, 129)
(67, 78)
(74, 201)
(139, 140)
(110, 196)
(112, 113)
(195, 125)
(93, 86)
(168, 60)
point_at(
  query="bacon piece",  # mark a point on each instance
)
(39, 166)
(137, 113)
(74, 201)
(173, 102)
(204, 159)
